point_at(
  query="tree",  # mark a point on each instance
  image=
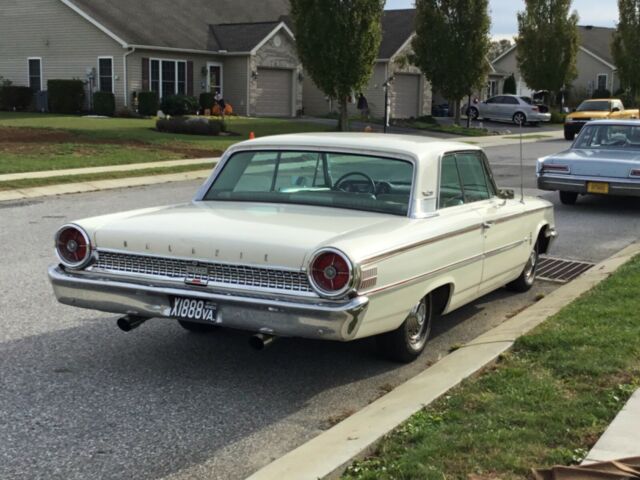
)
(547, 45)
(338, 43)
(510, 86)
(451, 46)
(626, 45)
(498, 47)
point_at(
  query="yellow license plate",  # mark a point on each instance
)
(598, 187)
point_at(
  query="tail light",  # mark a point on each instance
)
(635, 172)
(331, 273)
(73, 246)
(550, 167)
(535, 109)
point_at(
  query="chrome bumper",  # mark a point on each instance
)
(571, 183)
(307, 318)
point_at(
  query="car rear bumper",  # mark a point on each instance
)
(539, 117)
(578, 184)
(307, 318)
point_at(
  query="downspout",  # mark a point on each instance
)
(126, 75)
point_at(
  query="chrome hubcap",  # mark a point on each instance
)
(418, 325)
(530, 269)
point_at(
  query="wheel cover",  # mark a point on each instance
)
(519, 118)
(530, 268)
(419, 325)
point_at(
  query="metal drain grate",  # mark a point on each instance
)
(560, 270)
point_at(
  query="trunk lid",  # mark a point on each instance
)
(598, 162)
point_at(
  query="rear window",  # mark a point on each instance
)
(609, 137)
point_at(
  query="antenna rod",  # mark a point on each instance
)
(521, 168)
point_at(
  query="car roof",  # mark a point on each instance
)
(631, 122)
(414, 145)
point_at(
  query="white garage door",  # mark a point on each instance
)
(407, 96)
(275, 93)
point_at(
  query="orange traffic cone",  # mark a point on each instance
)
(252, 136)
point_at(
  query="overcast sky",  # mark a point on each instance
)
(601, 13)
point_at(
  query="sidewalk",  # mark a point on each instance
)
(622, 438)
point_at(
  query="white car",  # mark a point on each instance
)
(323, 236)
(511, 108)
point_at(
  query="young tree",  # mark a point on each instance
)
(338, 43)
(626, 45)
(547, 44)
(451, 46)
(510, 86)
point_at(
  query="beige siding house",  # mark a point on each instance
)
(596, 68)
(241, 48)
(409, 91)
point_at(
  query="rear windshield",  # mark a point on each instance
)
(609, 137)
(338, 180)
(527, 100)
(595, 106)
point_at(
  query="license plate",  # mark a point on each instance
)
(598, 187)
(191, 309)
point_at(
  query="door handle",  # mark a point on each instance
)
(487, 225)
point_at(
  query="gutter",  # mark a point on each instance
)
(126, 75)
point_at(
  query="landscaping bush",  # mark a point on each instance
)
(104, 103)
(179, 105)
(627, 98)
(65, 96)
(190, 126)
(207, 100)
(148, 104)
(15, 98)
(601, 93)
(557, 117)
(509, 86)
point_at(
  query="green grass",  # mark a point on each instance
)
(534, 136)
(36, 142)
(451, 129)
(43, 182)
(544, 403)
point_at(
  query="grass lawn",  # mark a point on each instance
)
(38, 142)
(546, 402)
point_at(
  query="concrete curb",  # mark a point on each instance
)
(327, 455)
(98, 185)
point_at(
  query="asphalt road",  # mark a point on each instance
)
(79, 399)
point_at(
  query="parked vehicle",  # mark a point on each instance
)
(510, 108)
(323, 236)
(604, 160)
(596, 109)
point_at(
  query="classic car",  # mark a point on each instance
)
(321, 236)
(511, 108)
(596, 109)
(604, 160)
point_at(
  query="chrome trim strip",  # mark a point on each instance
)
(522, 214)
(506, 248)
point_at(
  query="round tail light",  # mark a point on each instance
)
(73, 246)
(331, 273)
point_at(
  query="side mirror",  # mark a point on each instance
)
(506, 194)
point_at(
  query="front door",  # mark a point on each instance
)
(215, 78)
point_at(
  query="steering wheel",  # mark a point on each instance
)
(372, 184)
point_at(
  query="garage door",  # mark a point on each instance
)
(274, 93)
(407, 96)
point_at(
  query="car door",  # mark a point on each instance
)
(488, 108)
(506, 237)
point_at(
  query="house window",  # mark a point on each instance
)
(603, 81)
(35, 74)
(105, 74)
(168, 77)
(215, 78)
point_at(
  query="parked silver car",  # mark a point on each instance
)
(510, 108)
(604, 160)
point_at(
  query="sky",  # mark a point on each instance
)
(601, 13)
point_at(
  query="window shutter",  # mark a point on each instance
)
(190, 78)
(145, 75)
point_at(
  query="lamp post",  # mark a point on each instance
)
(387, 106)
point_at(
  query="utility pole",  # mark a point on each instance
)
(387, 107)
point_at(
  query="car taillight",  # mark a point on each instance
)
(73, 246)
(331, 273)
(635, 172)
(535, 109)
(550, 167)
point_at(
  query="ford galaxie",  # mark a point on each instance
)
(322, 236)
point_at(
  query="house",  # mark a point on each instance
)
(241, 48)
(595, 64)
(409, 91)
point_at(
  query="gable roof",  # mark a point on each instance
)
(397, 28)
(598, 41)
(186, 24)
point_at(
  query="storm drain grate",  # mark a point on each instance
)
(560, 270)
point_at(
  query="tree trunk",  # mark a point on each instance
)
(456, 107)
(343, 123)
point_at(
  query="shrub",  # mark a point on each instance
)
(148, 104)
(15, 98)
(104, 103)
(179, 105)
(601, 93)
(627, 98)
(557, 117)
(207, 100)
(427, 119)
(190, 126)
(65, 96)
(510, 86)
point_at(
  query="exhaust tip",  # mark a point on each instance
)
(129, 323)
(260, 341)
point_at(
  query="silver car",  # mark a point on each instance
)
(510, 108)
(604, 160)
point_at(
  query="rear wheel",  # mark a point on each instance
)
(568, 198)
(520, 118)
(196, 327)
(474, 113)
(528, 276)
(407, 342)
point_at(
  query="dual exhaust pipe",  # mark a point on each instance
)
(259, 341)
